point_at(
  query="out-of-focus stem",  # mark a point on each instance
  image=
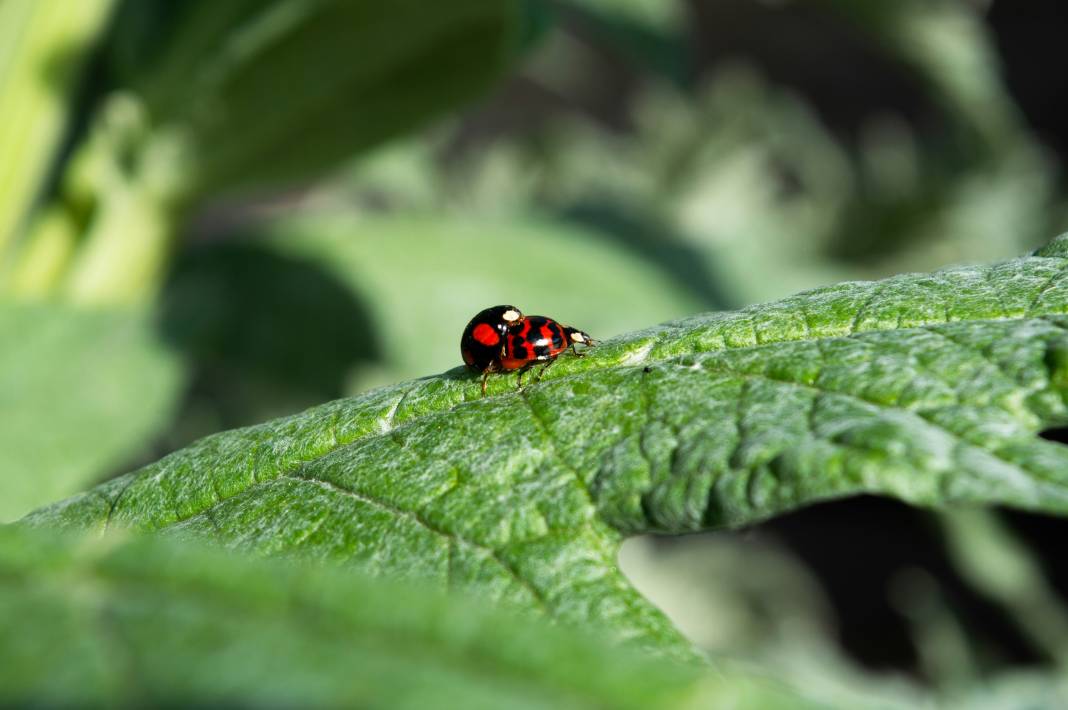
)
(124, 251)
(108, 233)
(41, 263)
(43, 44)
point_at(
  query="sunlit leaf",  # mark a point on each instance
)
(928, 387)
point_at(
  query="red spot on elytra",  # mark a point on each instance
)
(486, 334)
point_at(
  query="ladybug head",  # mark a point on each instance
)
(483, 340)
(574, 335)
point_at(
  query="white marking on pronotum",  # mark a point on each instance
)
(510, 315)
(578, 337)
(638, 355)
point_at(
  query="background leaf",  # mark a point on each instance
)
(144, 623)
(191, 101)
(930, 388)
(80, 393)
(306, 87)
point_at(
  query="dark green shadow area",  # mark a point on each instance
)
(264, 334)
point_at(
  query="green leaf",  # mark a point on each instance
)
(272, 92)
(646, 34)
(80, 394)
(928, 387)
(144, 623)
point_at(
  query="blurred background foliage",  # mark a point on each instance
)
(215, 213)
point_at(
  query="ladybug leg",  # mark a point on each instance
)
(494, 366)
(537, 378)
(519, 375)
(580, 353)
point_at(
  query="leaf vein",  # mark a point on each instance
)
(957, 439)
(449, 536)
(1050, 283)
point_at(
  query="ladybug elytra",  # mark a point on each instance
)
(483, 340)
(502, 338)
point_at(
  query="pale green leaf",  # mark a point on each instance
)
(148, 624)
(81, 393)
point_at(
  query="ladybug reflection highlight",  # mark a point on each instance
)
(503, 339)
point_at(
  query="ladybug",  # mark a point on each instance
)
(482, 344)
(502, 338)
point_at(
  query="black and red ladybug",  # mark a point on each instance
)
(502, 338)
(483, 341)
